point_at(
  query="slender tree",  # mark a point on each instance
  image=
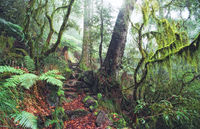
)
(101, 31)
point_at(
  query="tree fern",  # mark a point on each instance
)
(30, 65)
(26, 119)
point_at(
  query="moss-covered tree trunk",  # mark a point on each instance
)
(116, 48)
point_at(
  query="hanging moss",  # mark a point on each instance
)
(145, 12)
(187, 52)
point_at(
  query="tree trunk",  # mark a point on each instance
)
(85, 57)
(101, 31)
(116, 48)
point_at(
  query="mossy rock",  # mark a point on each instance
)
(90, 103)
(88, 98)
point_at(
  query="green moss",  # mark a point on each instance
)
(86, 98)
(118, 120)
(145, 12)
(171, 41)
(83, 67)
(91, 108)
(99, 96)
(96, 113)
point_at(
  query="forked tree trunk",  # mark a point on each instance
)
(116, 48)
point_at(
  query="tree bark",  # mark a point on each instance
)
(101, 31)
(116, 48)
(85, 57)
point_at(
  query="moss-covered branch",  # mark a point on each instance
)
(29, 11)
(66, 18)
(193, 47)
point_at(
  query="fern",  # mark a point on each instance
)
(7, 103)
(8, 69)
(26, 119)
(10, 98)
(30, 65)
(26, 80)
(12, 81)
(52, 77)
(54, 81)
(53, 73)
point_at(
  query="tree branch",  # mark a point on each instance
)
(61, 29)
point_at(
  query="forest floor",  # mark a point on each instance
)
(74, 101)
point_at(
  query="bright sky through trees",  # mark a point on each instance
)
(115, 3)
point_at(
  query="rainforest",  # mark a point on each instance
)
(99, 64)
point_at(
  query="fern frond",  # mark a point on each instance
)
(30, 64)
(54, 81)
(7, 103)
(52, 77)
(12, 81)
(8, 69)
(26, 80)
(53, 73)
(26, 119)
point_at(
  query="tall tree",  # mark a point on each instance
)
(101, 31)
(85, 58)
(116, 48)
